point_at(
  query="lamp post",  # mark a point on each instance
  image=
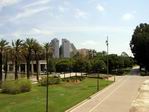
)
(107, 43)
(47, 94)
(97, 81)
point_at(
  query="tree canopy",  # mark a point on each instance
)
(140, 45)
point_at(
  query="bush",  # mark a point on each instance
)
(17, 86)
(51, 81)
(74, 78)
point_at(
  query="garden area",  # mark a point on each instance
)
(62, 96)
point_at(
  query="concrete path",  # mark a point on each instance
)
(115, 98)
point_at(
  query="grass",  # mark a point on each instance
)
(61, 97)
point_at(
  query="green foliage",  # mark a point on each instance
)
(81, 65)
(63, 65)
(140, 45)
(17, 86)
(74, 79)
(61, 97)
(51, 65)
(51, 80)
(98, 66)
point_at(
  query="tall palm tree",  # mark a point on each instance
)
(16, 46)
(7, 55)
(37, 48)
(28, 53)
(48, 53)
(3, 44)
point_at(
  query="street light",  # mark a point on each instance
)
(97, 81)
(47, 94)
(107, 43)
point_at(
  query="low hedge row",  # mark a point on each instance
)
(16, 86)
(51, 80)
(74, 78)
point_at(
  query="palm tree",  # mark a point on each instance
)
(37, 48)
(7, 55)
(28, 52)
(16, 45)
(48, 52)
(3, 44)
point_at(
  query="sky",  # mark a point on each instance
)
(86, 23)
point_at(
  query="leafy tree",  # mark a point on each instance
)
(51, 65)
(3, 45)
(115, 62)
(63, 65)
(98, 66)
(140, 45)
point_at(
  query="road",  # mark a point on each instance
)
(115, 98)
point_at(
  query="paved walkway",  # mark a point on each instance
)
(115, 98)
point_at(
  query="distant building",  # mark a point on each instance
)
(55, 45)
(65, 48)
(73, 50)
(84, 52)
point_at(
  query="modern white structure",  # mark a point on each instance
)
(55, 45)
(22, 68)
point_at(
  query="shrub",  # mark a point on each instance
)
(74, 78)
(51, 81)
(17, 86)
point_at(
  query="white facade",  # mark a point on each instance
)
(22, 68)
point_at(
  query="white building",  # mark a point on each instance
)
(22, 68)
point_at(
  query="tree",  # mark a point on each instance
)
(51, 66)
(7, 55)
(3, 45)
(28, 53)
(37, 48)
(16, 47)
(98, 66)
(139, 45)
(48, 53)
(63, 65)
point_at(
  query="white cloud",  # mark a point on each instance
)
(128, 17)
(4, 3)
(89, 43)
(29, 12)
(111, 29)
(37, 3)
(42, 32)
(80, 14)
(35, 32)
(100, 8)
(61, 9)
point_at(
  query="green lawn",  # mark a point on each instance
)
(61, 97)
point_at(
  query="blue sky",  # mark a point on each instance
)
(86, 23)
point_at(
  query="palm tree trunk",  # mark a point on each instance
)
(6, 67)
(1, 73)
(16, 68)
(37, 66)
(28, 69)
